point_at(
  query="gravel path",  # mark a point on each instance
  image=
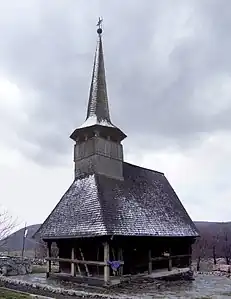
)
(207, 286)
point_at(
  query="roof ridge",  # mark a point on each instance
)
(148, 169)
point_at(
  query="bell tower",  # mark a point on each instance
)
(98, 147)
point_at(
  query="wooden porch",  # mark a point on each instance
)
(80, 269)
(102, 271)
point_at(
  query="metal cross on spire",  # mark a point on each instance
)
(99, 25)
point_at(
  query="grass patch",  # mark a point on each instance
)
(43, 269)
(5, 294)
(38, 269)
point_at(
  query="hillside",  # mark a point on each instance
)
(14, 242)
(214, 236)
(215, 239)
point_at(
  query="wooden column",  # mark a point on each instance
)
(48, 256)
(97, 258)
(150, 262)
(73, 267)
(58, 246)
(106, 267)
(170, 261)
(190, 257)
(120, 258)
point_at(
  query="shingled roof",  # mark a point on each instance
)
(144, 204)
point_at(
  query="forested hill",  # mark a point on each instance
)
(215, 237)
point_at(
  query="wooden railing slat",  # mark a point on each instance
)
(160, 258)
(75, 261)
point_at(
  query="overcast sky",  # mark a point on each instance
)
(168, 67)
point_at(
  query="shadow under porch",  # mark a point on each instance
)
(89, 260)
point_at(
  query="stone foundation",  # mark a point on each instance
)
(54, 292)
(12, 266)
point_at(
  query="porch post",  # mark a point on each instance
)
(48, 256)
(73, 267)
(149, 261)
(58, 245)
(106, 267)
(120, 258)
(190, 256)
(170, 260)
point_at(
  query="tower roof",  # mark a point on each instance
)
(98, 109)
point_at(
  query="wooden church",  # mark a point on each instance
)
(116, 219)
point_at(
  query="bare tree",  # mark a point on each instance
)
(201, 245)
(41, 250)
(227, 246)
(215, 241)
(7, 224)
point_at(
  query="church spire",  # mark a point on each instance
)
(98, 116)
(98, 109)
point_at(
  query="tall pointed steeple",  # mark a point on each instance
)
(98, 108)
(98, 100)
(98, 146)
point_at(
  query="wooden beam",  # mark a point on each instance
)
(106, 266)
(161, 258)
(86, 267)
(93, 263)
(150, 262)
(180, 255)
(79, 270)
(73, 265)
(48, 261)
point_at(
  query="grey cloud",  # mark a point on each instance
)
(50, 48)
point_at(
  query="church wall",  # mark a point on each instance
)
(98, 155)
(101, 165)
(97, 145)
